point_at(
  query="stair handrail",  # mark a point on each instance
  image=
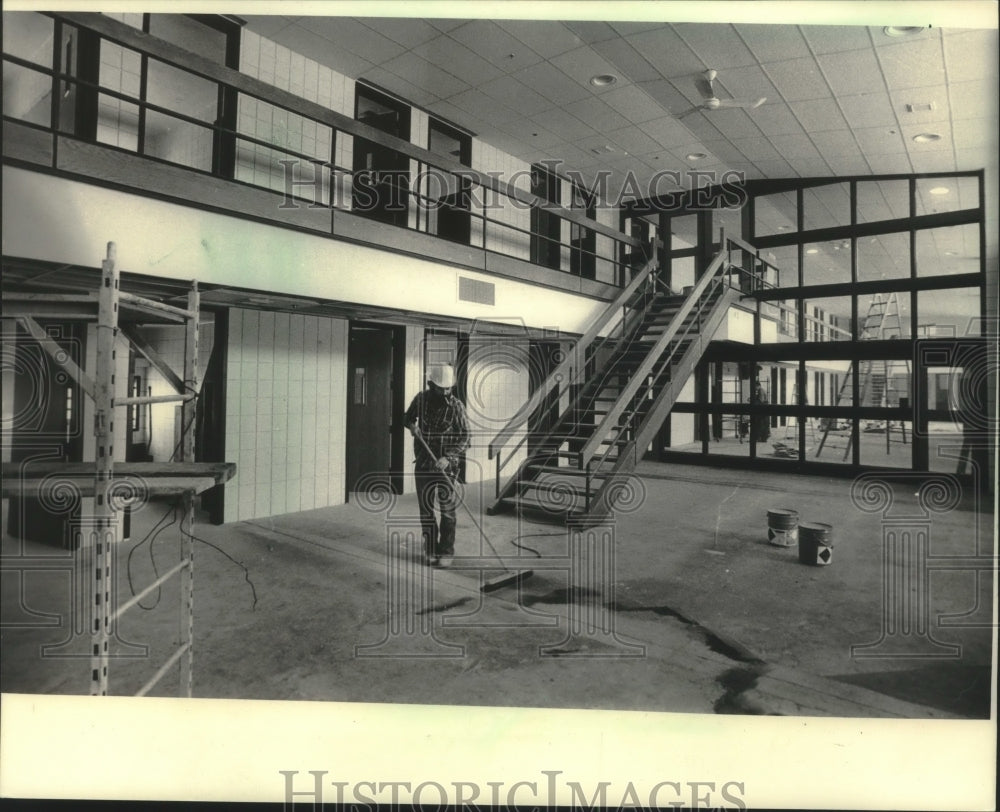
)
(561, 373)
(639, 376)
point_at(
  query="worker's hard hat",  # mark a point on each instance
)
(442, 376)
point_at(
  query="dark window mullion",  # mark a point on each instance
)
(143, 81)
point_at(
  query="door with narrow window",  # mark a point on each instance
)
(47, 427)
(374, 413)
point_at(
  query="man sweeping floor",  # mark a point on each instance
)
(436, 419)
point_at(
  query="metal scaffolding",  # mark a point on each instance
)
(98, 479)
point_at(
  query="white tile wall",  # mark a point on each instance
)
(164, 418)
(286, 413)
(487, 158)
(272, 63)
(498, 385)
(605, 246)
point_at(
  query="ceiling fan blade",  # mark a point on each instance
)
(751, 105)
(689, 111)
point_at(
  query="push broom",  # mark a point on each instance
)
(509, 576)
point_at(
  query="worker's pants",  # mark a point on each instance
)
(436, 489)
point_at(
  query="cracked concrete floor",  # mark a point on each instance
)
(702, 615)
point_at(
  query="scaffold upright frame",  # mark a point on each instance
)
(183, 478)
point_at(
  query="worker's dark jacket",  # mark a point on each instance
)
(442, 423)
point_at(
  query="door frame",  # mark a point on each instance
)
(397, 380)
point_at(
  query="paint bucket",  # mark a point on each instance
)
(783, 527)
(815, 543)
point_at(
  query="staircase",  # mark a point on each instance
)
(619, 383)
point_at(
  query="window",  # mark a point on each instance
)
(448, 203)
(381, 177)
(582, 240)
(545, 226)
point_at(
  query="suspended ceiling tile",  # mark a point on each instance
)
(868, 109)
(268, 25)
(913, 64)
(734, 123)
(407, 31)
(458, 60)
(633, 104)
(634, 140)
(819, 115)
(536, 135)
(891, 164)
(772, 43)
(975, 99)
(796, 145)
(312, 45)
(973, 158)
(397, 85)
(852, 72)
(516, 95)
(552, 83)
(667, 52)
(490, 41)
(668, 131)
(545, 37)
(583, 64)
(825, 39)
(667, 96)
(590, 31)
(879, 140)
(835, 142)
(626, 60)
(718, 46)
(426, 75)
(353, 36)
(726, 151)
(941, 161)
(595, 113)
(777, 119)
(918, 98)
(810, 167)
(444, 24)
(797, 79)
(559, 121)
(749, 83)
(974, 133)
(626, 28)
(969, 54)
(777, 168)
(699, 125)
(484, 107)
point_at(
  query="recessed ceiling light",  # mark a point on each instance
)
(940, 190)
(902, 30)
(812, 250)
(926, 138)
(603, 80)
(696, 156)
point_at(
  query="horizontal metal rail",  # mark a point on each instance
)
(139, 400)
(145, 689)
(124, 607)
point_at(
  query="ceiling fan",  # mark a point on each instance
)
(706, 87)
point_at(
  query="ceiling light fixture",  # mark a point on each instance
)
(696, 156)
(926, 138)
(812, 250)
(940, 190)
(902, 30)
(603, 80)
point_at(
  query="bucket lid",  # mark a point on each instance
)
(822, 526)
(782, 512)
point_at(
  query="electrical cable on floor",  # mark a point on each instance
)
(151, 538)
(246, 572)
(529, 536)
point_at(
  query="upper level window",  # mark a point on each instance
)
(381, 174)
(545, 226)
(448, 203)
(582, 241)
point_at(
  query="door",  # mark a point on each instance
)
(48, 427)
(369, 407)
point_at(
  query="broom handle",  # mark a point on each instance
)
(461, 501)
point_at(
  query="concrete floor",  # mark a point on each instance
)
(703, 614)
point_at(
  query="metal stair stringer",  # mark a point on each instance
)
(615, 480)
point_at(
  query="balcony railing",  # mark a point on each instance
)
(149, 97)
